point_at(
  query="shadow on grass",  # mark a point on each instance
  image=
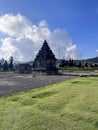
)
(80, 82)
(45, 94)
(96, 124)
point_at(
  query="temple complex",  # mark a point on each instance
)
(45, 61)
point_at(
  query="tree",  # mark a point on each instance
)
(11, 63)
(0, 66)
(86, 64)
(2, 61)
(62, 64)
(79, 64)
(5, 66)
(71, 62)
(95, 65)
(67, 63)
(91, 65)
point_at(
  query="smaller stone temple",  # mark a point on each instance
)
(23, 68)
(45, 61)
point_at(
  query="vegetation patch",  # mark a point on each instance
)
(69, 105)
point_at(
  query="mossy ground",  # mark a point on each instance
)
(69, 105)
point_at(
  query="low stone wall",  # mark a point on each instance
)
(43, 72)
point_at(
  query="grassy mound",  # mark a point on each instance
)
(70, 105)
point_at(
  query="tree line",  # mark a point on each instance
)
(6, 65)
(76, 63)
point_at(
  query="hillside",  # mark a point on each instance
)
(93, 60)
(90, 60)
(70, 105)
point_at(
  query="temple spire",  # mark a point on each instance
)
(45, 60)
(45, 52)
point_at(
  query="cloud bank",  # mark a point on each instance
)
(97, 53)
(22, 39)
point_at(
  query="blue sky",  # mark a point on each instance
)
(78, 17)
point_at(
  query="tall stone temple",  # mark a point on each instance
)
(45, 61)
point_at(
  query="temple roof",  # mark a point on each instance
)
(45, 53)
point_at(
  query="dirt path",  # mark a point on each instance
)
(11, 83)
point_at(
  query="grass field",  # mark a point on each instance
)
(70, 105)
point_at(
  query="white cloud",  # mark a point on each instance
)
(23, 39)
(97, 51)
(20, 48)
(72, 52)
(14, 24)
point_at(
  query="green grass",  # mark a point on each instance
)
(70, 105)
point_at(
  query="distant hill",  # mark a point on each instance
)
(30, 62)
(20, 62)
(92, 60)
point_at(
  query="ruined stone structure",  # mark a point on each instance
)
(23, 68)
(45, 61)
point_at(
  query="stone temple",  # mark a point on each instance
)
(45, 61)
